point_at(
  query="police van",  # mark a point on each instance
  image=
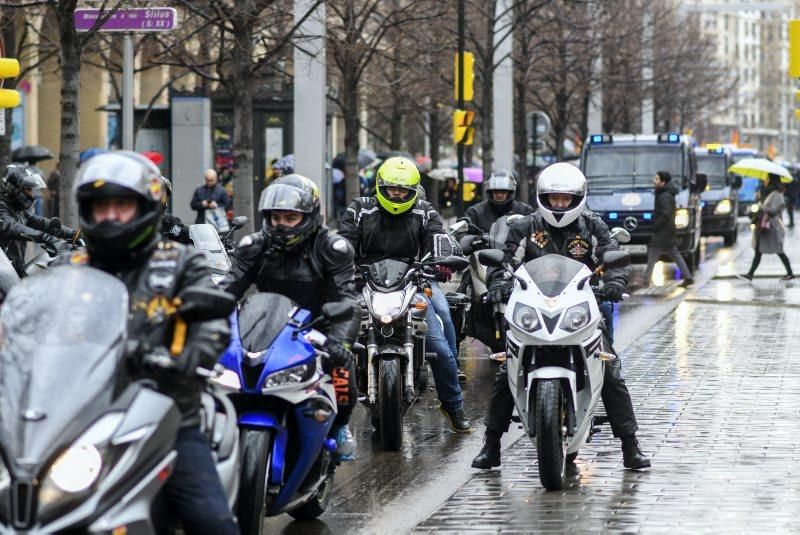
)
(720, 200)
(748, 191)
(619, 170)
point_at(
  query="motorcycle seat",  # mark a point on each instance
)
(455, 298)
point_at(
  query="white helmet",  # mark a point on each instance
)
(561, 178)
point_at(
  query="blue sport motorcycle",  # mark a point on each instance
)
(286, 406)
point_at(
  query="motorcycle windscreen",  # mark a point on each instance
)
(498, 233)
(206, 239)
(388, 273)
(8, 275)
(262, 317)
(552, 273)
(61, 340)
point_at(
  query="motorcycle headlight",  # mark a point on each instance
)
(681, 218)
(76, 469)
(723, 207)
(387, 305)
(525, 318)
(5, 477)
(295, 374)
(576, 317)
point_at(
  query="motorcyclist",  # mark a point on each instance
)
(297, 256)
(119, 196)
(172, 228)
(394, 223)
(562, 226)
(19, 224)
(500, 189)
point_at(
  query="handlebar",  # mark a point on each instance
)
(162, 360)
(600, 294)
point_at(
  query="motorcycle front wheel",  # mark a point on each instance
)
(317, 504)
(389, 404)
(251, 507)
(551, 431)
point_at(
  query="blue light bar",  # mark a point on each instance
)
(600, 139)
(648, 216)
(673, 138)
(718, 150)
(669, 138)
(612, 215)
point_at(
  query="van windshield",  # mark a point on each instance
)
(714, 169)
(613, 167)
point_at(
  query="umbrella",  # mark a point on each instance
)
(154, 156)
(31, 154)
(366, 158)
(760, 168)
(286, 164)
(443, 173)
(90, 153)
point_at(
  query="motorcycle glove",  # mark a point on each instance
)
(613, 292)
(499, 291)
(340, 353)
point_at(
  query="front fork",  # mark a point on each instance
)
(372, 370)
(408, 346)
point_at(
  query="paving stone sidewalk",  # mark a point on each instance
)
(716, 386)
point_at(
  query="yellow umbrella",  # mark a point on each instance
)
(760, 168)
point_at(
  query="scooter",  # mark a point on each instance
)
(556, 354)
(393, 372)
(286, 405)
(91, 459)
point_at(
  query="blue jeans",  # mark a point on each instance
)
(442, 309)
(194, 492)
(607, 311)
(445, 371)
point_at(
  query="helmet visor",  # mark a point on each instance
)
(560, 201)
(286, 197)
(505, 183)
(397, 194)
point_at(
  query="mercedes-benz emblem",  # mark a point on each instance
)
(631, 223)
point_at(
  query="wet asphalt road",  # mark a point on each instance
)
(395, 491)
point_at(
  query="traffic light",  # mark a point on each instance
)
(463, 131)
(469, 76)
(9, 68)
(470, 190)
(794, 48)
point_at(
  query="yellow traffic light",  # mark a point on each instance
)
(9, 68)
(797, 114)
(469, 192)
(463, 132)
(469, 76)
(794, 48)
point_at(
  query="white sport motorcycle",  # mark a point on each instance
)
(556, 353)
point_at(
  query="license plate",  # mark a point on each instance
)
(634, 249)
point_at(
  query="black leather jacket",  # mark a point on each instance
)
(484, 214)
(168, 271)
(318, 272)
(376, 234)
(537, 238)
(21, 226)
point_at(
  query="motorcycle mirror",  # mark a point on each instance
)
(620, 234)
(513, 217)
(464, 219)
(491, 257)
(456, 263)
(616, 259)
(204, 304)
(337, 310)
(239, 221)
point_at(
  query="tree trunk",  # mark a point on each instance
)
(396, 125)
(242, 94)
(434, 135)
(70, 59)
(487, 91)
(520, 128)
(351, 127)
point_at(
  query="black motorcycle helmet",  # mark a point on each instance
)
(294, 193)
(16, 180)
(120, 174)
(501, 180)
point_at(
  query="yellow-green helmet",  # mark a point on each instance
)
(397, 172)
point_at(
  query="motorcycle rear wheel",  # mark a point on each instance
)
(251, 507)
(389, 404)
(551, 440)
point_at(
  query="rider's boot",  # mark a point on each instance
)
(489, 456)
(457, 419)
(345, 444)
(632, 456)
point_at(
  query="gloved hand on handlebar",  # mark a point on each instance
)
(340, 352)
(53, 246)
(613, 292)
(499, 291)
(443, 273)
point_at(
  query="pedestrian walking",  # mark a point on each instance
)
(769, 232)
(664, 238)
(790, 195)
(210, 201)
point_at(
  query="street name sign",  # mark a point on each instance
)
(145, 19)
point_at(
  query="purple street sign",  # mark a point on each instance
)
(145, 19)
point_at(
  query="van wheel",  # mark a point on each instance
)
(731, 237)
